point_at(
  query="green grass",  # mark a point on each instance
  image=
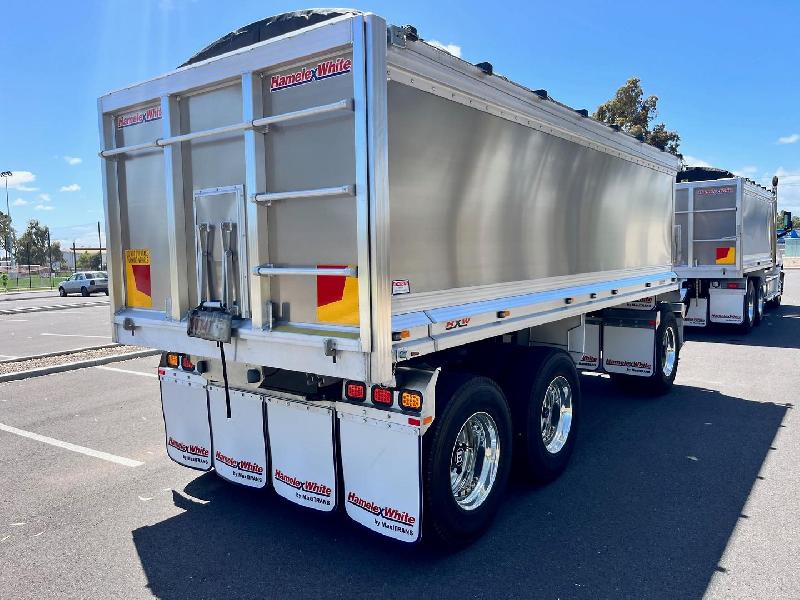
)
(33, 282)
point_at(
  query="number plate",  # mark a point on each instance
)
(211, 325)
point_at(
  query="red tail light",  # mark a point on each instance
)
(355, 391)
(186, 363)
(382, 396)
(733, 285)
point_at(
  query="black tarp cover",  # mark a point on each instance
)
(266, 29)
(702, 174)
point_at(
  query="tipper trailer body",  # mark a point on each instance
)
(728, 258)
(372, 265)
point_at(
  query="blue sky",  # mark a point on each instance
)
(727, 75)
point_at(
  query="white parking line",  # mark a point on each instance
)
(14, 321)
(120, 460)
(126, 371)
(102, 337)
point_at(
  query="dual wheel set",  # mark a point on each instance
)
(754, 304)
(534, 416)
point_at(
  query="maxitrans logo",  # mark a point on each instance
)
(324, 70)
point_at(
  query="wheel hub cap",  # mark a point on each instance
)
(668, 352)
(474, 461)
(556, 417)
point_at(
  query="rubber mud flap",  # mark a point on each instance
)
(240, 449)
(382, 477)
(184, 403)
(303, 463)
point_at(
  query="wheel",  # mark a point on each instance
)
(748, 308)
(665, 367)
(759, 303)
(547, 412)
(62, 292)
(467, 459)
(84, 291)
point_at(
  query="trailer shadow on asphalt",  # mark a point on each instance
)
(646, 508)
(780, 328)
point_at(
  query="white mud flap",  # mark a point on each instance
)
(628, 349)
(301, 441)
(589, 359)
(382, 480)
(697, 313)
(184, 402)
(240, 449)
(727, 306)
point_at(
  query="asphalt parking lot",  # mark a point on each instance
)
(29, 333)
(688, 495)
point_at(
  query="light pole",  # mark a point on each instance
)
(5, 175)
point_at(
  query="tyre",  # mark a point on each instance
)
(84, 291)
(759, 301)
(106, 292)
(748, 308)
(466, 460)
(665, 367)
(547, 414)
(62, 292)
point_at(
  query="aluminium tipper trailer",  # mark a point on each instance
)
(727, 256)
(402, 272)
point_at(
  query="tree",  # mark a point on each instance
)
(632, 112)
(6, 234)
(35, 238)
(89, 261)
(779, 218)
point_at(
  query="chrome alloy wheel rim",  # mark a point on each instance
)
(669, 352)
(751, 305)
(760, 300)
(556, 416)
(474, 461)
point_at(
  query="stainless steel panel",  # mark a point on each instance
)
(757, 218)
(317, 152)
(144, 218)
(477, 199)
(681, 199)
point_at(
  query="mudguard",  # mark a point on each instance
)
(382, 475)
(240, 449)
(696, 313)
(303, 463)
(184, 402)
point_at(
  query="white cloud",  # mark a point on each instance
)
(789, 139)
(73, 160)
(72, 187)
(44, 207)
(747, 171)
(18, 180)
(693, 161)
(788, 190)
(45, 197)
(19, 202)
(451, 48)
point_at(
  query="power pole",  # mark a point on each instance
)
(50, 257)
(74, 258)
(99, 246)
(7, 242)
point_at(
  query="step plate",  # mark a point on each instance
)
(184, 402)
(301, 439)
(240, 449)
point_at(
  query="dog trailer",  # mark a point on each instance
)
(376, 269)
(727, 254)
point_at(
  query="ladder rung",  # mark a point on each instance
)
(345, 104)
(342, 190)
(269, 270)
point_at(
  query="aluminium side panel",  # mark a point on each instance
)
(758, 215)
(477, 199)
